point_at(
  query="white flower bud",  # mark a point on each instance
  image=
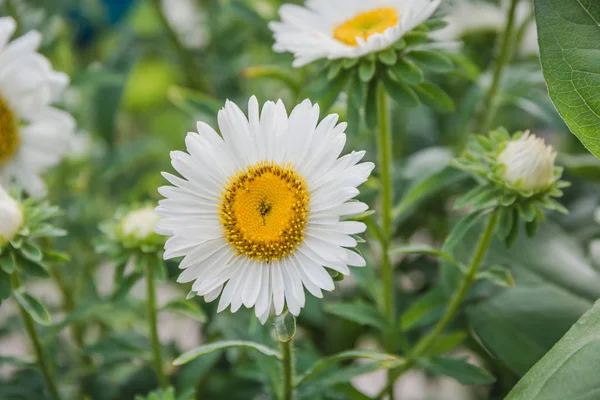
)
(529, 163)
(139, 224)
(11, 217)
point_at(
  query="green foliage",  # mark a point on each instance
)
(569, 36)
(567, 371)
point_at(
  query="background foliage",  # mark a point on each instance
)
(140, 81)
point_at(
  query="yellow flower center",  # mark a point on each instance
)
(264, 211)
(9, 134)
(366, 24)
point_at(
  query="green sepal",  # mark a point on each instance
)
(371, 105)
(531, 227)
(415, 38)
(432, 61)
(388, 57)
(366, 70)
(333, 70)
(505, 222)
(514, 230)
(8, 263)
(408, 72)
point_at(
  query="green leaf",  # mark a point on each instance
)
(400, 92)
(285, 327)
(360, 313)
(209, 348)
(424, 250)
(33, 268)
(570, 369)
(569, 39)
(432, 61)
(408, 72)
(424, 307)
(555, 285)
(459, 369)
(345, 375)
(427, 188)
(33, 307)
(435, 97)
(461, 229)
(346, 355)
(188, 308)
(328, 94)
(498, 275)
(192, 102)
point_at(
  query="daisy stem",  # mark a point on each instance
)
(385, 171)
(153, 325)
(424, 345)
(387, 194)
(35, 341)
(287, 369)
(489, 103)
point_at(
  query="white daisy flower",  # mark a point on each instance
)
(33, 135)
(335, 29)
(258, 212)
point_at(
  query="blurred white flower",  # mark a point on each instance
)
(33, 135)
(528, 163)
(335, 29)
(258, 211)
(188, 20)
(139, 224)
(471, 16)
(11, 217)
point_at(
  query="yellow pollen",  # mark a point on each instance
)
(9, 135)
(264, 211)
(366, 24)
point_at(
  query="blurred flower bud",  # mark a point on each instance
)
(139, 224)
(11, 217)
(529, 163)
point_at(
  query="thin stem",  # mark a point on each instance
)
(287, 369)
(153, 325)
(190, 66)
(489, 103)
(385, 169)
(387, 195)
(461, 293)
(35, 341)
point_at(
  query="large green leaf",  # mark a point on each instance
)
(570, 369)
(569, 38)
(555, 285)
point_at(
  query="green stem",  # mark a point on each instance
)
(35, 341)
(153, 325)
(190, 66)
(387, 197)
(287, 369)
(461, 293)
(385, 170)
(489, 103)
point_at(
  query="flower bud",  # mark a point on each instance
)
(528, 163)
(139, 224)
(11, 217)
